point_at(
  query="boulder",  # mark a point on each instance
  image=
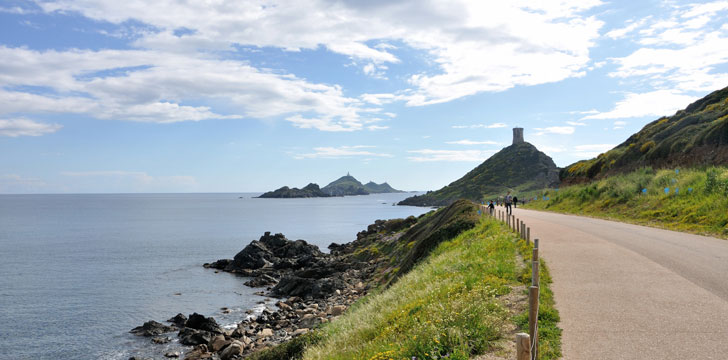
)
(234, 349)
(189, 336)
(265, 333)
(198, 353)
(199, 322)
(218, 342)
(151, 328)
(172, 354)
(337, 310)
(254, 256)
(300, 331)
(309, 321)
(161, 340)
(261, 280)
(307, 288)
(178, 320)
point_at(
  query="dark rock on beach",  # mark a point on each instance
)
(178, 320)
(199, 322)
(151, 328)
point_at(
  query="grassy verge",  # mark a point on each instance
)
(451, 305)
(696, 201)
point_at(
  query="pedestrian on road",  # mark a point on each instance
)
(509, 201)
(515, 202)
(491, 207)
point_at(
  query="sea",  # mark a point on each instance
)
(77, 272)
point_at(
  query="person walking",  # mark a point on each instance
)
(515, 202)
(491, 207)
(509, 201)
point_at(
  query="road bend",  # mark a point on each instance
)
(634, 292)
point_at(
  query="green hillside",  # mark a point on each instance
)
(695, 136)
(375, 188)
(696, 199)
(345, 185)
(519, 168)
(463, 295)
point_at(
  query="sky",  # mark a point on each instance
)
(108, 96)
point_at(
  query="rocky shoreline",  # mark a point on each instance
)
(312, 287)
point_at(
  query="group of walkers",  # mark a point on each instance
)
(508, 201)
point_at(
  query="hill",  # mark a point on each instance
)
(375, 188)
(519, 168)
(310, 190)
(695, 136)
(447, 284)
(348, 185)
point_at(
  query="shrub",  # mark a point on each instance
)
(647, 146)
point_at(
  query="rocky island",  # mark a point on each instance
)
(344, 186)
(310, 190)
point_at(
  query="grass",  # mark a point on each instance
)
(451, 305)
(700, 205)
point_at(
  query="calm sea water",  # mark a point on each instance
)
(79, 271)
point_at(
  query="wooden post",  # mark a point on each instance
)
(535, 280)
(523, 230)
(523, 346)
(528, 235)
(533, 314)
(535, 243)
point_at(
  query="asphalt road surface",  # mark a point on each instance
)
(633, 292)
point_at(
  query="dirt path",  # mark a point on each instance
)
(632, 292)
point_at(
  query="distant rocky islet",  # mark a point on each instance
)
(344, 186)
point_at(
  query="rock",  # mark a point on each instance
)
(161, 340)
(189, 336)
(178, 320)
(172, 354)
(198, 353)
(234, 349)
(197, 321)
(300, 331)
(305, 287)
(309, 321)
(337, 310)
(265, 333)
(220, 264)
(151, 328)
(283, 306)
(261, 281)
(218, 342)
(254, 256)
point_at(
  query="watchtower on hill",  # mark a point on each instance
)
(517, 135)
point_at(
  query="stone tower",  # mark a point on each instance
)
(517, 135)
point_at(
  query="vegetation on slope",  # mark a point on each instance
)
(349, 185)
(451, 305)
(520, 167)
(696, 201)
(695, 136)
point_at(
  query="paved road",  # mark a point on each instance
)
(633, 292)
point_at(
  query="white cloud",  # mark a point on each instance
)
(25, 127)
(427, 155)
(576, 123)
(153, 86)
(477, 46)
(471, 142)
(561, 130)
(619, 125)
(654, 103)
(622, 32)
(340, 152)
(480, 126)
(681, 52)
